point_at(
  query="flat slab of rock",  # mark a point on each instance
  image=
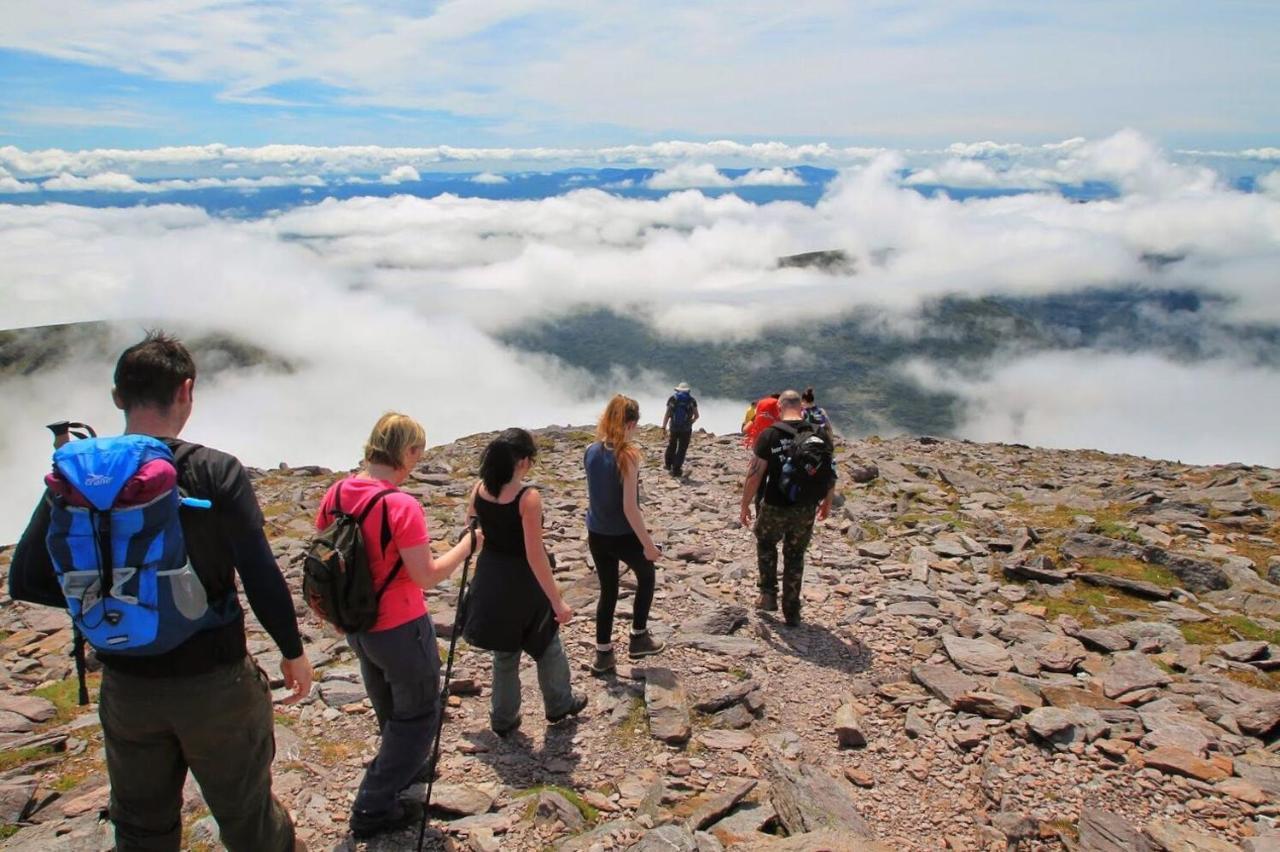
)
(875, 549)
(1131, 670)
(666, 838)
(33, 707)
(666, 706)
(1175, 837)
(808, 799)
(1067, 697)
(1102, 639)
(702, 811)
(1238, 651)
(1261, 768)
(460, 799)
(1181, 762)
(1259, 717)
(1103, 831)
(15, 797)
(947, 683)
(721, 621)
(818, 841)
(726, 697)
(976, 656)
(726, 740)
(989, 705)
(1063, 728)
(743, 824)
(728, 646)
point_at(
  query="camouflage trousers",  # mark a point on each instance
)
(793, 526)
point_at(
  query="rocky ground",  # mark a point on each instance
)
(1002, 647)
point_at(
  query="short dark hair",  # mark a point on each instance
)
(150, 372)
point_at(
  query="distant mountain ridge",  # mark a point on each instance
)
(855, 362)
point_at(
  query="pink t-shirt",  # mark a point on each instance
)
(403, 600)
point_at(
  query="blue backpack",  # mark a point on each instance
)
(117, 546)
(682, 411)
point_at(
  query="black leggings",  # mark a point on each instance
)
(606, 552)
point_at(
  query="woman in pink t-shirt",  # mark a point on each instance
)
(398, 658)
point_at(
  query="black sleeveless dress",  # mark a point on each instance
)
(506, 608)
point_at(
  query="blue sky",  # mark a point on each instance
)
(143, 73)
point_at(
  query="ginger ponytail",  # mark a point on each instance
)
(620, 413)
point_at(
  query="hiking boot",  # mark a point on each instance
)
(642, 645)
(767, 602)
(579, 703)
(404, 814)
(604, 663)
(508, 730)
(792, 617)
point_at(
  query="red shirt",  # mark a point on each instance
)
(403, 600)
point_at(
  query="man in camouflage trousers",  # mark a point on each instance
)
(779, 519)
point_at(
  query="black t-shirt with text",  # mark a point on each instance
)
(770, 446)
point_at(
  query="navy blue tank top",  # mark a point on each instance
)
(604, 492)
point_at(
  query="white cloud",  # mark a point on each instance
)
(400, 174)
(1270, 183)
(975, 174)
(689, 176)
(489, 178)
(8, 183)
(346, 159)
(707, 176)
(436, 275)
(1122, 403)
(119, 182)
(670, 65)
(769, 177)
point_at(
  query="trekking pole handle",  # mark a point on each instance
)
(64, 430)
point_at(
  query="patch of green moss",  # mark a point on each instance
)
(1268, 498)
(8, 829)
(1133, 569)
(589, 813)
(65, 695)
(1229, 628)
(1083, 601)
(18, 756)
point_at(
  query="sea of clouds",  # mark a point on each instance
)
(393, 303)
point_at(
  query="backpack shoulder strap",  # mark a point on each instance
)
(785, 427)
(386, 535)
(375, 500)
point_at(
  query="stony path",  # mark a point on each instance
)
(1002, 648)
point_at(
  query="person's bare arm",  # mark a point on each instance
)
(536, 552)
(635, 517)
(428, 571)
(755, 474)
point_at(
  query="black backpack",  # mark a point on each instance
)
(336, 581)
(807, 471)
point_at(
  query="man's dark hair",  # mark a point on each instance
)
(150, 372)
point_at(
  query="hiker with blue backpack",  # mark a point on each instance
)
(392, 636)
(141, 536)
(677, 423)
(793, 464)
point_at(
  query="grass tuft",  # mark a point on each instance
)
(589, 813)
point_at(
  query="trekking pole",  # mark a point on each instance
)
(459, 619)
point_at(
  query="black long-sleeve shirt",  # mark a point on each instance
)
(222, 541)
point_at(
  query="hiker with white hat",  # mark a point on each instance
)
(677, 425)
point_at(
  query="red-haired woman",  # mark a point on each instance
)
(616, 530)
